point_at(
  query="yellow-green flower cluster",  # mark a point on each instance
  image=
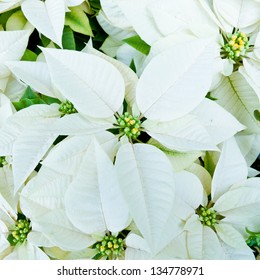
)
(67, 108)
(20, 232)
(207, 216)
(129, 125)
(110, 247)
(237, 46)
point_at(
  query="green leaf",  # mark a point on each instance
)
(257, 114)
(29, 94)
(95, 5)
(137, 43)
(78, 21)
(29, 56)
(16, 21)
(27, 103)
(45, 41)
(68, 41)
(209, 163)
(31, 98)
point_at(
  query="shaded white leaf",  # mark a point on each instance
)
(219, 123)
(96, 195)
(148, 190)
(184, 134)
(236, 96)
(176, 81)
(230, 236)
(231, 168)
(48, 17)
(98, 85)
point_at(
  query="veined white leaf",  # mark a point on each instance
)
(114, 14)
(240, 203)
(236, 96)
(93, 85)
(27, 251)
(95, 194)
(48, 17)
(189, 188)
(138, 15)
(194, 230)
(231, 168)
(129, 76)
(44, 193)
(13, 44)
(76, 124)
(29, 149)
(66, 156)
(42, 200)
(251, 72)
(6, 108)
(7, 187)
(34, 74)
(219, 123)
(230, 236)
(146, 180)
(12, 48)
(238, 13)
(176, 81)
(184, 134)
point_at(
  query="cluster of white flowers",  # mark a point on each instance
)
(140, 148)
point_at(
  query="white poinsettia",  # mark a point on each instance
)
(24, 138)
(12, 48)
(216, 228)
(14, 226)
(88, 206)
(97, 90)
(42, 201)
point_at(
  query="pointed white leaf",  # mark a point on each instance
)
(240, 203)
(230, 236)
(220, 124)
(27, 251)
(129, 76)
(176, 81)
(194, 237)
(34, 74)
(59, 230)
(7, 187)
(13, 45)
(6, 109)
(96, 195)
(238, 13)
(184, 134)
(251, 72)
(29, 149)
(48, 17)
(138, 15)
(76, 124)
(231, 168)
(236, 96)
(189, 188)
(93, 85)
(203, 175)
(212, 249)
(146, 180)
(67, 155)
(42, 200)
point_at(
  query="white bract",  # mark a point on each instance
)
(15, 228)
(216, 229)
(12, 49)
